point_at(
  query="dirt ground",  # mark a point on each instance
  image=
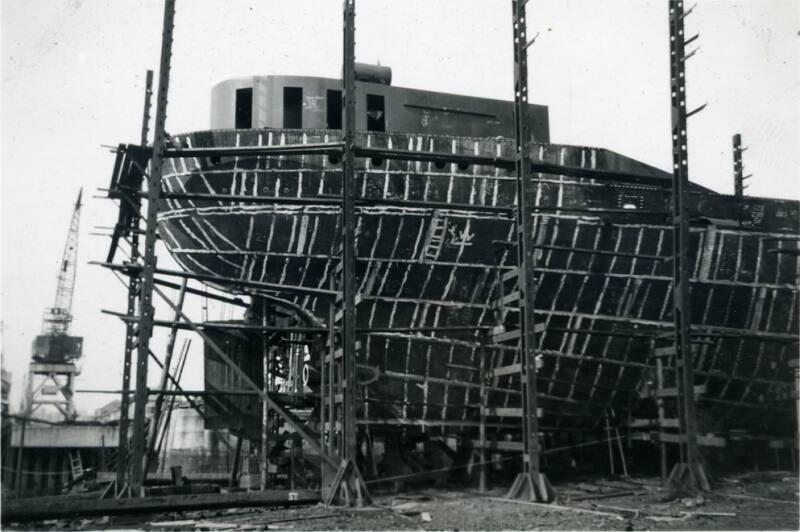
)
(757, 501)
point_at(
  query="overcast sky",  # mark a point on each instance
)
(73, 75)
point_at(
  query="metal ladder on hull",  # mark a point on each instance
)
(75, 464)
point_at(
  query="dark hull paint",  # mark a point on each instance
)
(417, 267)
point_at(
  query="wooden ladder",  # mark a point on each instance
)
(76, 464)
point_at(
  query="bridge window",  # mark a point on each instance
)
(376, 113)
(293, 107)
(334, 103)
(244, 108)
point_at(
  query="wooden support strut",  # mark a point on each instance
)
(159, 405)
(530, 484)
(277, 408)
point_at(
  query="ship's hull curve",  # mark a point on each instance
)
(424, 267)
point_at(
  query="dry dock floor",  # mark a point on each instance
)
(755, 501)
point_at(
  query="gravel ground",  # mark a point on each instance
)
(755, 502)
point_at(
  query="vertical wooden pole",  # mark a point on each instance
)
(530, 484)
(133, 294)
(349, 285)
(610, 448)
(332, 376)
(483, 405)
(662, 445)
(264, 404)
(738, 170)
(20, 452)
(237, 456)
(348, 479)
(690, 474)
(146, 309)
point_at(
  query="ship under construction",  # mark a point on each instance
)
(427, 273)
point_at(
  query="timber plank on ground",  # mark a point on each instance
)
(33, 510)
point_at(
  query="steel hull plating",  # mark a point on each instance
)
(424, 267)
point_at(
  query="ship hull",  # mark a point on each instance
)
(423, 267)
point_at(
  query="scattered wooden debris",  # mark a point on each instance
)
(710, 514)
(182, 524)
(406, 508)
(691, 502)
(591, 488)
(558, 507)
(667, 518)
(754, 498)
(662, 516)
(607, 495)
(302, 518)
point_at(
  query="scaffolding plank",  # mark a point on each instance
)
(513, 369)
(670, 392)
(499, 445)
(508, 411)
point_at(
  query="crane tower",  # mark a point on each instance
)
(52, 369)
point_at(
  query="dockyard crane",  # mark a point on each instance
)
(52, 369)
(58, 317)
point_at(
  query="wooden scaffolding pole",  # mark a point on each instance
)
(348, 485)
(689, 473)
(146, 310)
(133, 294)
(530, 483)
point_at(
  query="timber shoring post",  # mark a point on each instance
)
(331, 380)
(133, 293)
(483, 405)
(265, 373)
(237, 455)
(163, 436)
(530, 483)
(159, 403)
(146, 309)
(662, 445)
(690, 474)
(610, 448)
(247, 381)
(20, 451)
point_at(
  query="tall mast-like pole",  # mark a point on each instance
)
(738, 167)
(146, 310)
(689, 473)
(133, 294)
(531, 483)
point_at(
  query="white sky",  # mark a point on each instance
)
(73, 75)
